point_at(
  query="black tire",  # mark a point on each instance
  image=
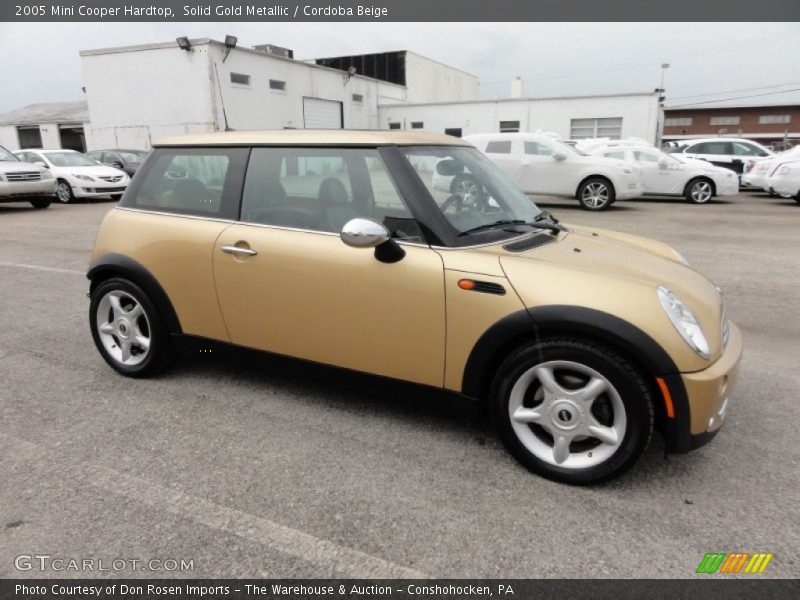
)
(797, 198)
(64, 191)
(606, 194)
(466, 188)
(41, 203)
(160, 352)
(692, 191)
(631, 390)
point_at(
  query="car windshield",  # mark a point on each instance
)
(132, 156)
(70, 159)
(5, 155)
(472, 193)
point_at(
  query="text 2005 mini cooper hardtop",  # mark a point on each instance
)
(336, 247)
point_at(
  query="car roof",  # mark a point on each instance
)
(522, 135)
(322, 137)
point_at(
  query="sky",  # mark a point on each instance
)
(708, 61)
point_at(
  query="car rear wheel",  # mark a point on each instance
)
(466, 188)
(699, 191)
(596, 193)
(41, 203)
(127, 329)
(64, 192)
(571, 410)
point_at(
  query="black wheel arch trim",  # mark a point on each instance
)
(533, 323)
(119, 265)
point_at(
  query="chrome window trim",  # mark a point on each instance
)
(171, 214)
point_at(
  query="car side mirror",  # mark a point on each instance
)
(116, 164)
(663, 163)
(559, 155)
(40, 163)
(366, 233)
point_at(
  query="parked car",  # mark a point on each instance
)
(540, 164)
(785, 180)
(671, 175)
(758, 171)
(25, 182)
(124, 160)
(337, 247)
(730, 153)
(78, 175)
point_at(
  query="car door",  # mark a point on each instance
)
(743, 152)
(287, 283)
(717, 153)
(538, 175)
(657, 180)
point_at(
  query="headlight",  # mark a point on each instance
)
(680, 257)
(47, 175)
(2, 178)
(82, 177)
(684, 321)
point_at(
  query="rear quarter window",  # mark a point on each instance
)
(190, 181)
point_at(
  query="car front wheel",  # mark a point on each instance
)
(572, 410)
(64, 192)
(699, 191)
(127, 329)
(40, 203)
(596, 193)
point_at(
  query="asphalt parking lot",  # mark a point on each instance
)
(266, 468)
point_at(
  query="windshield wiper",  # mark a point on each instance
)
(486, 226)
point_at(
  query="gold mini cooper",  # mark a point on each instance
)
(345, 248)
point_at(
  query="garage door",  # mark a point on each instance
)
(322, 114)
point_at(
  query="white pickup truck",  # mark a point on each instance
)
(24, 182)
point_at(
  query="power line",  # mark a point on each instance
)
(761, 87)
(736, 98)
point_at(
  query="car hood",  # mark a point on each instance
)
(94, 171)
(618, 273)
(11, 166)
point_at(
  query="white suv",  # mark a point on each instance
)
(541, 164)
(24, 182)
(731, 153)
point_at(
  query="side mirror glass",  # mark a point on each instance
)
(559, 155)
(364, 233)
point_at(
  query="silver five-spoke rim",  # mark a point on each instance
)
(567, 414)
(467, 189)
(123, 327)
(63, 192)
(595, 194)
(701, 192)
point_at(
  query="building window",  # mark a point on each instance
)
(394, 125)
(240, 79)
(774, 119)
(596, 128)
(678, 122)
(277, 85)
(509, 126)
(417, 124)
(358, 98)
(29, 137)
(454, 131)
(724, 121)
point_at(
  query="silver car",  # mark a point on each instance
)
(24, 182)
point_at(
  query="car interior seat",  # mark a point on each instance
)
(335, 202)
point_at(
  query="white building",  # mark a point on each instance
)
(138, 94)
(52, 125)
(614, 116)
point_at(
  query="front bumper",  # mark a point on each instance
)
(784, 187)
(18, 191)
(88, 189)
(708, 391)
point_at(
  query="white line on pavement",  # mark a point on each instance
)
(41, 268)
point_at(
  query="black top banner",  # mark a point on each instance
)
(400, 10)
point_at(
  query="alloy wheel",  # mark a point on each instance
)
(701, 192)
(64, 192)
(123, 327)
(595, 195)
(567, 414)
(467, 189)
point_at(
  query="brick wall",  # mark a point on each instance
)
(748, 121)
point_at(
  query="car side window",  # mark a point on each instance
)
(741, 149)
(321, 189)
(712, 148)
(537, 149)
(644, 156)
(201, 182)
(620, 154)
(499, 147)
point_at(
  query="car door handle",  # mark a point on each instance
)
(239, 251)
